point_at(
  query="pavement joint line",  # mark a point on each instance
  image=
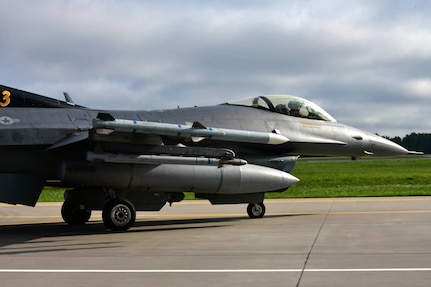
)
(304, 268)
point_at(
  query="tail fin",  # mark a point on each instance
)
(15, 98)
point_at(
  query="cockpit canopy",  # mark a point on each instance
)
(289, 105)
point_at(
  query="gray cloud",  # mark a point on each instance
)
(367, 62)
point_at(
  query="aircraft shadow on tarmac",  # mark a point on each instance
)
(52, 232)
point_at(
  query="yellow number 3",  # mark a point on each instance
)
(6, 99)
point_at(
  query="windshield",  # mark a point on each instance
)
(289, 105)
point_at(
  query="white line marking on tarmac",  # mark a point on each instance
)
(209, 270)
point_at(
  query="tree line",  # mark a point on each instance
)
(414, 141)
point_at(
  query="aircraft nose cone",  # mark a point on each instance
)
(383, 147)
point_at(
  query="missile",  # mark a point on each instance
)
(228, 179)
(106, 124)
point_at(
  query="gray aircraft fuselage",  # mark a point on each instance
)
(34, 130)
(45, 141)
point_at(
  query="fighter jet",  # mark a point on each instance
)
(123, 161)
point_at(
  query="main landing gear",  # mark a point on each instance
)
(256, 210)
(118, 214)
(74, 212)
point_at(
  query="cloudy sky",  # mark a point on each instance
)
(368, 63)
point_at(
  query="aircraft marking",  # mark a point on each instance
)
(328, 270)
(4, 120)
(6, 99)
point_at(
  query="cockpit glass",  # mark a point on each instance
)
(258, 102)
(289, 105)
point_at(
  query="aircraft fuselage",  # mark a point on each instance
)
(119, 161)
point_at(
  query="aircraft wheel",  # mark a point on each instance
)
(119, 214)
(256, 210)
(75, 213)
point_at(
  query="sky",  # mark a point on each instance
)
(367, 63)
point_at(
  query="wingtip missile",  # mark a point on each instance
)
(196, 132)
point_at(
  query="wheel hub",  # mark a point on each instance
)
(120, 215)
(257, 210)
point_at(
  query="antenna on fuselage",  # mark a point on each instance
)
(68, 99)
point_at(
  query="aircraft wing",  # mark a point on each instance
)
(70, 139)
(105, 124)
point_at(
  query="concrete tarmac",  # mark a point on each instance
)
(300, 242)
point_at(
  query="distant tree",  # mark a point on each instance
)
(414, 141)
(397, 140)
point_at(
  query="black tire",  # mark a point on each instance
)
(119, 214)
(256, 210)
(75, 213)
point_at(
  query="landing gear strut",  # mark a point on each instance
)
(256, 210)
(75, 213)
(119, 214)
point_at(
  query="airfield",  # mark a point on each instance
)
(384, 241)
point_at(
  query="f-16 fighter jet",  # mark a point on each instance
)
(123, 161)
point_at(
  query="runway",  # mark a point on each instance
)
(299, 242)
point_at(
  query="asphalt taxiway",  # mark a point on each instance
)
(299, 242)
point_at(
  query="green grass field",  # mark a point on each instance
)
(329, 177)
(338, 177)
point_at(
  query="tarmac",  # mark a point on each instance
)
(300, 242)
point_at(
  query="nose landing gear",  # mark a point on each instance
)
(256, 210)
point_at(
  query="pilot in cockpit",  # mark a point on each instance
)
(294, 109)
(282, 109)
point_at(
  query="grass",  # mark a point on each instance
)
(51, 194)
(335, 177)
(364, 177)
